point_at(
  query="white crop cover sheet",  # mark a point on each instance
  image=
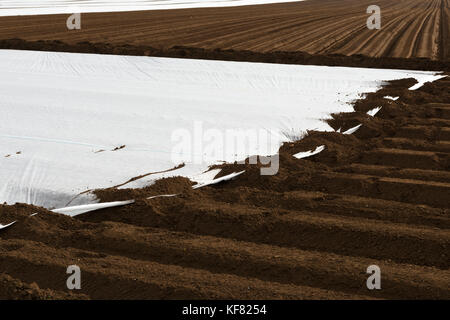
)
(63, 114)
(33, 7)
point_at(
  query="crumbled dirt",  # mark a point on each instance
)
(13, 289)
(176, 185)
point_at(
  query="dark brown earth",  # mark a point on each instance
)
(409, 29)
(13, 289)
(283, 57)
(379, 196)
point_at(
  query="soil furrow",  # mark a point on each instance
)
(106, 277)
(268, 263)
(420, 145)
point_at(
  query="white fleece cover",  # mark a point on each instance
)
(34, 7)
(58, 110)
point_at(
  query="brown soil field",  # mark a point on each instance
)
(410, 28)
(379, 196)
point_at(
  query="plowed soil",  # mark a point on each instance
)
(413, 28)
(379, 196)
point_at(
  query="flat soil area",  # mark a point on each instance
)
(413, 28)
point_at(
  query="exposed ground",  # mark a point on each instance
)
(379, 196)
(410, 28)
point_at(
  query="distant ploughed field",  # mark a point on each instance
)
(410, 28)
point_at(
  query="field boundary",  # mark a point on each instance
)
(281, 57)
